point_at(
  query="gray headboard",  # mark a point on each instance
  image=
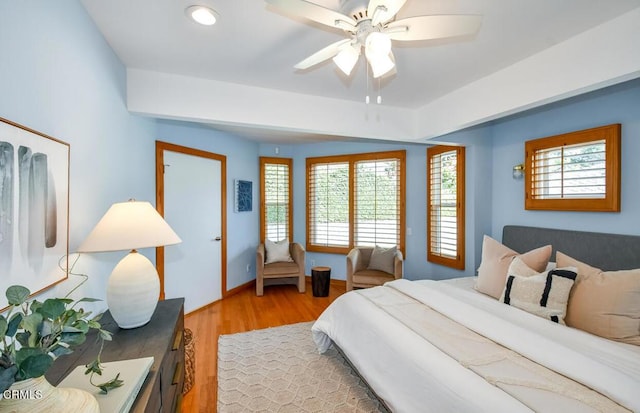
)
(604, 251)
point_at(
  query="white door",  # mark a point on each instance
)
(192, 207)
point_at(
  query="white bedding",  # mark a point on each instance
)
(417, 359)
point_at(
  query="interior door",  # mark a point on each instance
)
(193, 203)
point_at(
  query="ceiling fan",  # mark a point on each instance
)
(372, 27)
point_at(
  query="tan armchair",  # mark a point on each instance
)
(358, 276)
(280, 272)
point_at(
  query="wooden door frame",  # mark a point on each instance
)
(165, 146)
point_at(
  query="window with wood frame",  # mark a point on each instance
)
(445, 205)
(276, 199)
(577, 171)
(355, 200)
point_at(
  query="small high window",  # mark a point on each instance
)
(577, 171)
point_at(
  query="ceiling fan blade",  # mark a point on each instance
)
(313, 12)
(433, 27)
(380, 16)
(322, 55)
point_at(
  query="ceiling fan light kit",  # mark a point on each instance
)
(203, 15)
(373, 26)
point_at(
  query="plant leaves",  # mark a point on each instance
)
(73, 339)
(7, 377)
(4, 325)
(88, 300)
(14, 322)
(111, 384)
(59, 350)
(52, 308)
(94, 367)
(105, 335)
(17, 294)
(35, 366)
(31, 324)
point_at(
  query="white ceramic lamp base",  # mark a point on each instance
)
(133, 291)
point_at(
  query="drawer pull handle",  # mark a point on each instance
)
(177, 374)
(177, 340)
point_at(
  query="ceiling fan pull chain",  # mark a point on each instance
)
(366, 99)
(379, 93)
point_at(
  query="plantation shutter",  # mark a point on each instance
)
(569, 171)
(328, 209)
(445, 206)
(277, 201)
(377, 202)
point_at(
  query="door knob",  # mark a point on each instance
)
(217, 239)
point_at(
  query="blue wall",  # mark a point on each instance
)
(59, 77)
(616, 104)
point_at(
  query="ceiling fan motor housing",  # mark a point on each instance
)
(357, 9)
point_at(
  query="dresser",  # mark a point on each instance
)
(161, 338)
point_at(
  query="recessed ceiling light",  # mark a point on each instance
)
(202, 15)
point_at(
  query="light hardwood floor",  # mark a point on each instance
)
(244, 311)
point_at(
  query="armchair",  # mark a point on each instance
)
(280, 272)
(360, 276)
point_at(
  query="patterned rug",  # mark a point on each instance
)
(279, 370)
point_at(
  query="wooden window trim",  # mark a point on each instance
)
(459, 261)
(611, 203)
(263, 207)
(352, 159)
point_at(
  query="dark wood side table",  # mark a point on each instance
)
(161, 338)
(320, 278)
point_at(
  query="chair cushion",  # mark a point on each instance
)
(280, 268)
(277, 251)
(382, 259)
(372, 277)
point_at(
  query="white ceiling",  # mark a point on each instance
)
(255, 45)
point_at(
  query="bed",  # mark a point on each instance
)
(439, 346)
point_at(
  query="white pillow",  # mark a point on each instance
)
(544, 294)
(277, 251)
(383, 259)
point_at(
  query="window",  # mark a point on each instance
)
(276, 200)
(445, 205)
(355, 200)
(577, 171)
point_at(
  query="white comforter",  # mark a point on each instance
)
(382, 332)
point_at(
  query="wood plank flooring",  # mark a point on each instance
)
(244, 311)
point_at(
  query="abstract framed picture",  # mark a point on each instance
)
(244, 195)
(34, 209)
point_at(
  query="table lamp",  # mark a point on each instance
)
(134, 287)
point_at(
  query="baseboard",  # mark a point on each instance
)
(233, 291)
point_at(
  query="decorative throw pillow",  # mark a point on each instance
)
(496, 259)
(604, 303)
(544, 294)
(382, 259)
(277, 251)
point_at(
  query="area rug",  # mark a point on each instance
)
(279, 370)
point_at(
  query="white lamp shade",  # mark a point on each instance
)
(380, 65)
(378, 53)
(347, 58)
(127, 226)
(133, 290)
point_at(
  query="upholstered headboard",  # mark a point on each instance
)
(604, 251)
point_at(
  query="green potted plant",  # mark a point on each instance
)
(33, 334)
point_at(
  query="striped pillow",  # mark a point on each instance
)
(543, 294)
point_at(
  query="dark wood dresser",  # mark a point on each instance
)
(161, 338)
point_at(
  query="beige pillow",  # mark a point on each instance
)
(543, 294)
(382, 259)
(277, 251)
(604, 303)
(496, 259)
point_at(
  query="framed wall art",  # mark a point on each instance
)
(34, 209)
(244, 196)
